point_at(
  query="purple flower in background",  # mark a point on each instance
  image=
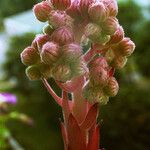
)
(8, 98)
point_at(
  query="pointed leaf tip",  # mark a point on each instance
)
(93, 143)
(90, 118)
(75, 137)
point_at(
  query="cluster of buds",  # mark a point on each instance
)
(88, 75)
(54, 53)
(102, 20)
(101, 85)
(57, 53)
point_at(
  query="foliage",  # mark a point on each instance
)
(143, 47)
(138, 29)
(130, 14)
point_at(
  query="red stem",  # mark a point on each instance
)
(70, 86)
(79, 108)
(50, 90)
(89, 54)
(65, 106)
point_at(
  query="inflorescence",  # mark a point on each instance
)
(58, 52)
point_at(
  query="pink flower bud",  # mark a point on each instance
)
(72, 50)
(84, 6)
(29, 56)
(50, 53)
(126, 47)
(59, 19)
(112, 7)
(110, 26)
(47, 29)
(98, 76)
(63, 35)
(117, 37)
(98, 12)
(42, 10)
(92, 31)
(39, 41)
(33, 72)
(61, 73)
(112, 87)
(61, 4)
(73, 10)
(119, 62)
(98, 71)
(99, 62)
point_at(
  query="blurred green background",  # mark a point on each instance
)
(125, 121)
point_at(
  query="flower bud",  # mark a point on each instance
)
(61, 4)
(71, 51)
(39, 41)
(98, 76)
(50, 53)
(29, 56)
(47, 29)
(61, 73)
(99, 62)
(112, 7)
(59, 19)
(103, 38)
(78, 67)
(92, 31)
(119, 62)
(33, 72)
(84, 6)
(90, 92)
(103, 100)
(112, 87)
(98, 12)
(118, 36)
(110, 55)
(63, 35)
(84, 41)
(42, 10)
(126, 47)
(110, 26)
(73, 10)
(94, 94)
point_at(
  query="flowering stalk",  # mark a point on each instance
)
(89, 77)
